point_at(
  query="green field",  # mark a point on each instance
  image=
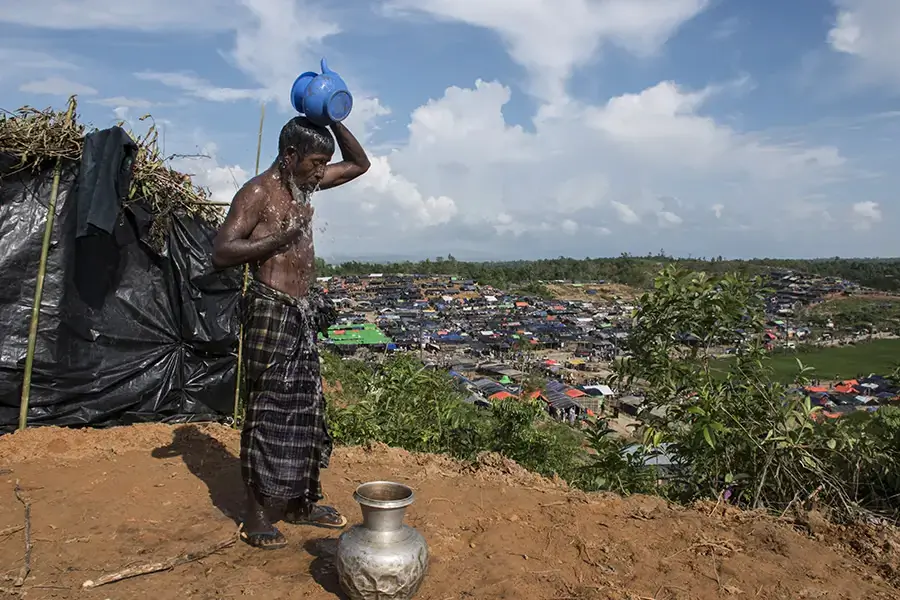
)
(879, 357)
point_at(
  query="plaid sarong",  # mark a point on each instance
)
(285, 440)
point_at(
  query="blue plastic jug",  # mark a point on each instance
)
(323, 98)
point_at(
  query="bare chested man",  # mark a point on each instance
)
(284, 442)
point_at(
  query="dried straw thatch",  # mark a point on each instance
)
(38, 136)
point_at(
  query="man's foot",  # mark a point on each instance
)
(256, 529)
(315, 515)
(264, 540)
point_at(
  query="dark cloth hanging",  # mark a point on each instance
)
(104, 179)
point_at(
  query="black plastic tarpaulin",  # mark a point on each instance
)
(126, 334)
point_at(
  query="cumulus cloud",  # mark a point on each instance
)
(552, 37)
(866, 214)
(641, 169)
(640, 161)
(869, 31)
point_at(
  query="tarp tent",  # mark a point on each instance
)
(127, 333)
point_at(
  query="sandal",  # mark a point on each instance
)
(318, 515)
(264, 540)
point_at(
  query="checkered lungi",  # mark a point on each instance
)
(285, 440)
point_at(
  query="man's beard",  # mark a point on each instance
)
(300, 194)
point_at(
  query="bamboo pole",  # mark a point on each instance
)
(39, 283)
(240, 353)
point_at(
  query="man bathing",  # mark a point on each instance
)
(284, 442)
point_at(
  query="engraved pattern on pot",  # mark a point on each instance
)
(382, 559)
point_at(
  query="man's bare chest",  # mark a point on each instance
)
(280, 216)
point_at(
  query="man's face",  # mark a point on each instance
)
(307, 171)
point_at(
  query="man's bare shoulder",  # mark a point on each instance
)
(255, 190)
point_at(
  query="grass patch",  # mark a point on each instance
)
(833, 363)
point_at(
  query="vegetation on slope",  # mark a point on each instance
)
(856, 314)
(738, 436)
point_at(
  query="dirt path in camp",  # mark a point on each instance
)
(104, 500)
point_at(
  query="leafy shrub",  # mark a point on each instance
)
(763, 442)
(400, 403)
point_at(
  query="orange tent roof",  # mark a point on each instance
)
(501, 396)
(575, 393)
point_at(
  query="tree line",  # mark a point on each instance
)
(638, 271)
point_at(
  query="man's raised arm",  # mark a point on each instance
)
(354, 160)
(233, 245)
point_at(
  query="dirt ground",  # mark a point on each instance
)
(603, 292)
(102, 500)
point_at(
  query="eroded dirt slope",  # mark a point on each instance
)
(106, 499)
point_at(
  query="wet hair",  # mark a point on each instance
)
(305, 137)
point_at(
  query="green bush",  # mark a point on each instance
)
(400, 403)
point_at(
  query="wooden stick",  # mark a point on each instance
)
(39, 284)
(240, 353)
(165, 565)
(26, 568)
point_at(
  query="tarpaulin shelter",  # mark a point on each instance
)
(130, 330)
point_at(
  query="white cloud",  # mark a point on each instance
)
(279, 36)
(29, 61)
(869, 30)
(644, 168)
(125, 102)
(668, 219)
(222, 181)
(412, 208)
(200, 88)
(274, 40)
(641, 161)
(866, 214)
(625, 213)
(145, 15)
(57, 86)
(552, 37)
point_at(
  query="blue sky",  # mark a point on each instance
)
(516, 128)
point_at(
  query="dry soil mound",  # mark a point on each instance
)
(106, 499)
